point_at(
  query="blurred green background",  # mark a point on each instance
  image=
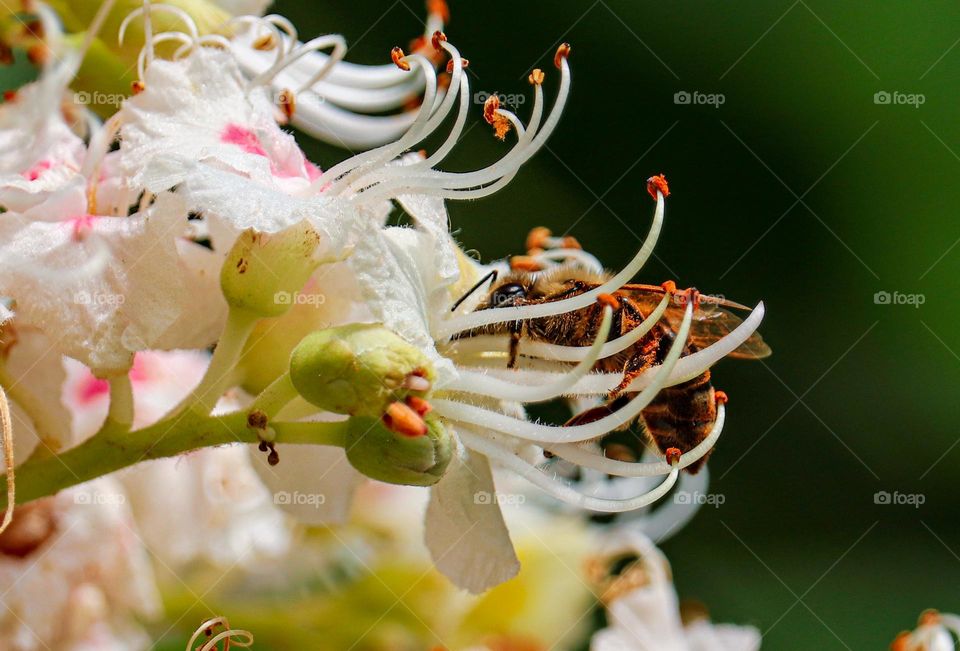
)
(799, 190)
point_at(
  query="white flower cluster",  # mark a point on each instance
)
(120, 238)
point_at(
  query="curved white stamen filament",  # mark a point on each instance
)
(273, 32)
(446, 184)
(99, 146)
(230, 635)
(551, 434)
(505, 314)
(354, 167)
(473, 383)
(597, 461)
(147, 50)
(687, 368)
(559, 489)
(583, 258)
(334, 41)
(559, 353)
(147, 8)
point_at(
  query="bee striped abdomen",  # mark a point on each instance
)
(681, 416)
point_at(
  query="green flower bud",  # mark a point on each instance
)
(358, 369)
(394, 458)
(263, 273)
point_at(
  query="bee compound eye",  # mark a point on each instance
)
(507, 294)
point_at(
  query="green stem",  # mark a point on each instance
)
(276, 396)
(229, 349)
(109, 450)
(120, 414)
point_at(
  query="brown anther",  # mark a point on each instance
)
(6, 54)
(257, 419)
(288, 102)
(438, 38)
(490, 108)
(524, 263)
(403, 420)
(570, 242)
(609, 300)
(34, 28)
(537, 238)
(464, 64)
(720, 397)
(137, 87)
(265, 43)
(419, 405)
(9, 95)
(673, 456)
(439, 8)
(274, 457)
(501, 125)
(536, 77)
(656, 184)
(562, 53)
(398, 55)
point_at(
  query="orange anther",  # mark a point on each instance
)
(439, 8)
(137, 87)
(403, 420)
(537, 238)
(609, 300)
(419, 405)
(288, 102)
(536, 77)
(669, 287)
(562, 53)
(464, 63)
(265, 42)
(720, 397)
(570, 242)
(524, 263)
(673, 456)
(901, 642)
(438, 38)
(398, 55)
(929, 617)
(658, 183)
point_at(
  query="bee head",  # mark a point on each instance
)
(507, 294)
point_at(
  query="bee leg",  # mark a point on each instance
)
(634, 367)
(516, 330)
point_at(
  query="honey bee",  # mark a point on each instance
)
(681, 416)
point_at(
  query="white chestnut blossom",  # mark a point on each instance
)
(75, 574)
(643, 611)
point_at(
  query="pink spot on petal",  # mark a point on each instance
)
(81, 225)
(234, 134)
(91, 388)
(313, 172)
(37, 170)
(140, 371)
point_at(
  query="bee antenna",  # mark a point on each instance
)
(490, 277)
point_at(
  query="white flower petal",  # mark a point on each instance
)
(313, 483)
(702, 635)
(465, 531)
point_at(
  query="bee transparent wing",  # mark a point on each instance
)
(711, 322)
